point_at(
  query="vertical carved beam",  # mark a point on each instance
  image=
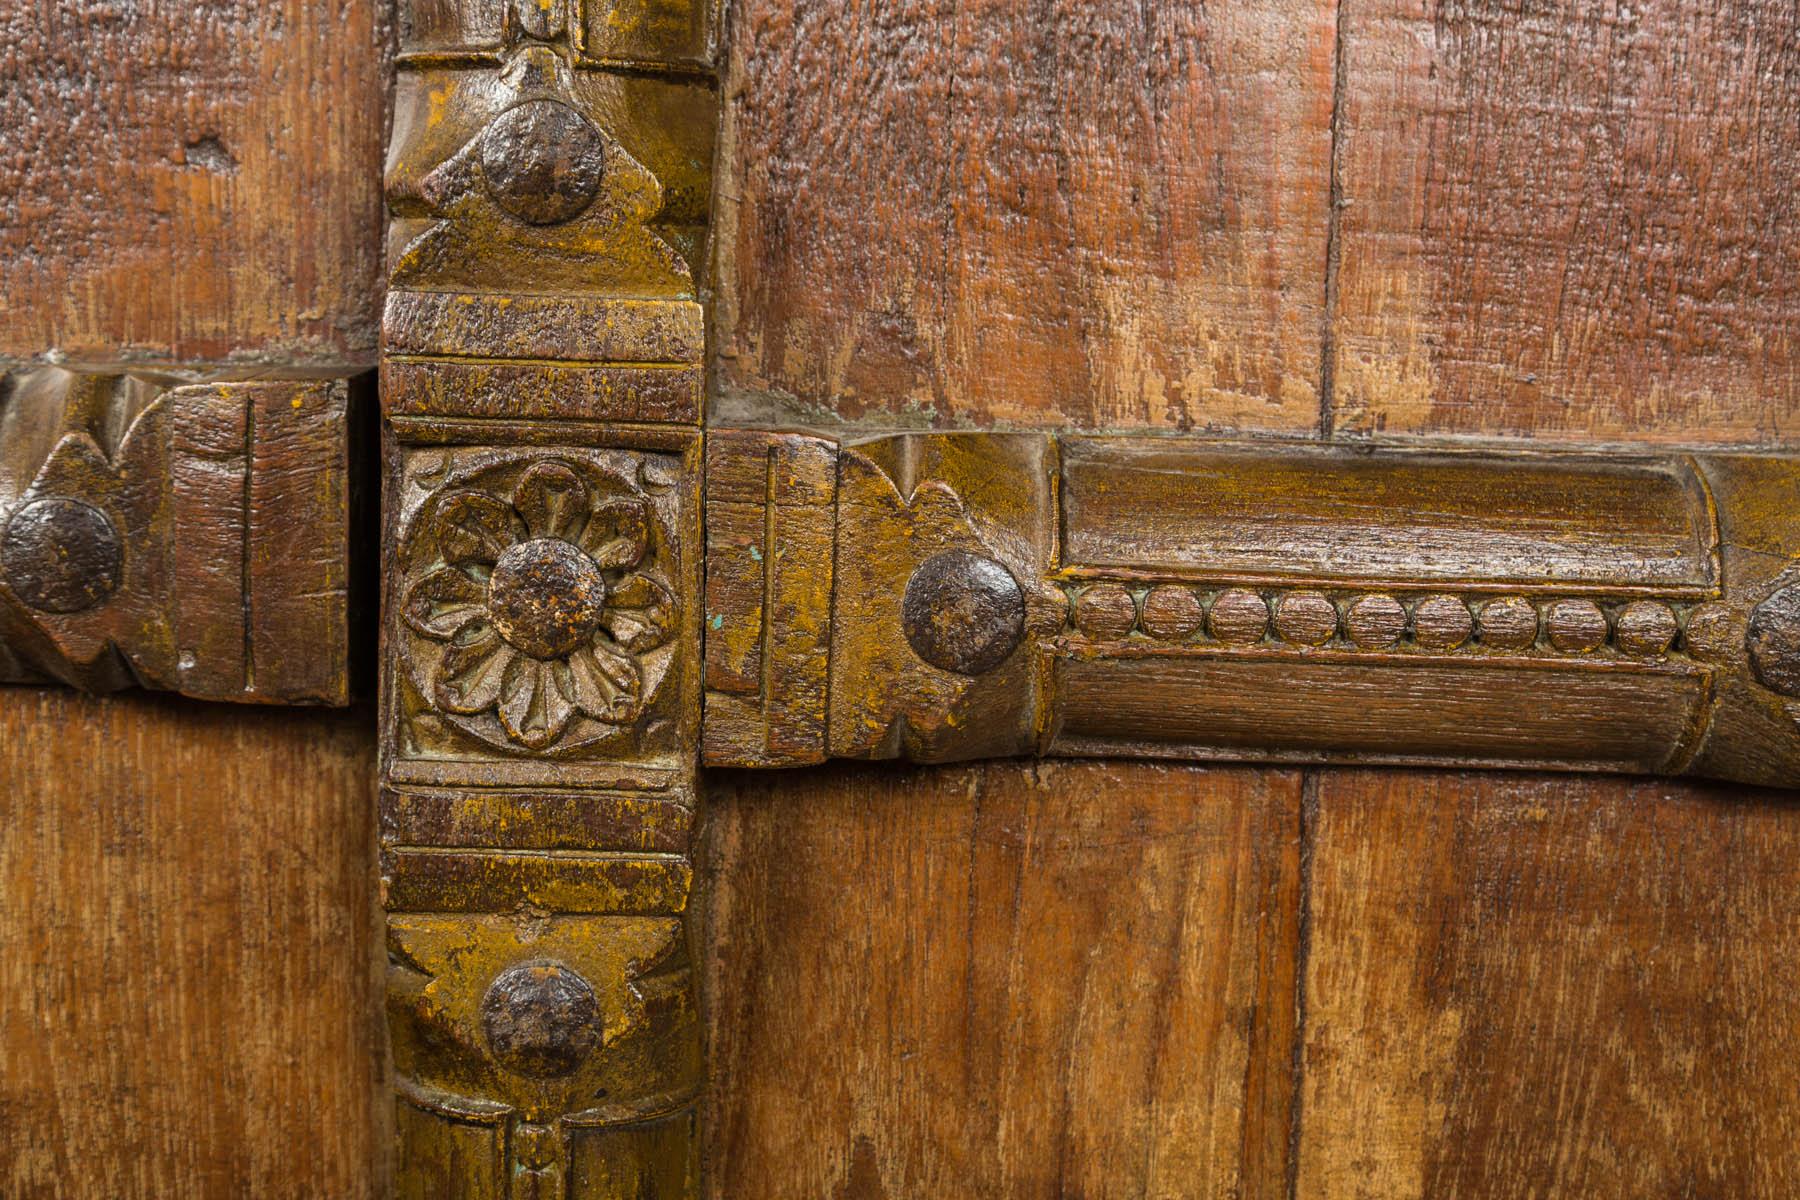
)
(549, 184)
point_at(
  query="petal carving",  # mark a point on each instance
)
(469, 677)
(532, 708)
(606, 684)
(617, 533)
(444, 602)
(473, 527)
(552, 499)
(640, 613)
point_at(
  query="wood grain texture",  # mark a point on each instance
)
(1569, 220)
(1261, 511)
(1051, 214)
(193, 182)
(1519, 985)
(189, 1003)
(1002, 980)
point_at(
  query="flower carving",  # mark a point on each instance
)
(545, 597)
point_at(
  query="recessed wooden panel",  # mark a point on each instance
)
(1070, 213)
(188, 995)
(1569, 220)
(191, 181)
(1255, 511)
(1529, 986)
(1004, 980)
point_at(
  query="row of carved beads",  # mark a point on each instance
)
(1174, 613)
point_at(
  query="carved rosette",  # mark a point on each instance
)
(537, 604)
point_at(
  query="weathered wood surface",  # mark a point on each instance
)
(1070, 213)
(1620, 233)
(1000, 980)
(189, 995)
(193, 182)
(1519, 985)
(193, 538)
(1568, 220)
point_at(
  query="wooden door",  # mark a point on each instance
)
(774, 383)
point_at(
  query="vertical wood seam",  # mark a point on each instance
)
(246, 501)
(1333, 242)
(1308, 831)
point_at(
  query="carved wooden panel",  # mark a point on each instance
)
(193, 538)
(1008, 594)
(549, 183)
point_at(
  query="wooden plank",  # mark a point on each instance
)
(1569, 220)
(1536, 986)
(771, 525)
(1064, 213)
(297, 549)
(189, 1003)
(540, 391)
(206, 473)
(1001, 980)
(192, 183)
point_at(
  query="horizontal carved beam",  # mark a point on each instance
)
(954, 596)
(192, 538)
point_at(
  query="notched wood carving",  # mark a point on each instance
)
(191, 538)
(998, 594)
(771, 533)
